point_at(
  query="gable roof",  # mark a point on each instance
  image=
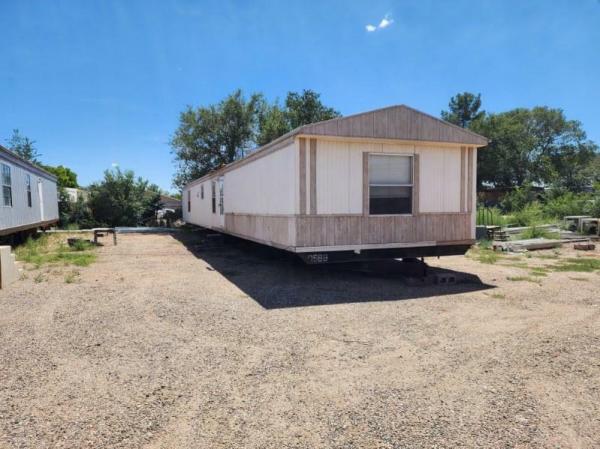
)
(394, 122)
(398, 122)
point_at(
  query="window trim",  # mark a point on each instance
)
(28, 190)
(214, 196)
(2, 185)
(412, 185)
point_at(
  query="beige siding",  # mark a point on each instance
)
(278, 231)
(318, 231)
(440, 179)
(265, 186)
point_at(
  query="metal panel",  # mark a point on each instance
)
(21, 214)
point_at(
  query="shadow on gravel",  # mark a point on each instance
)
(279, 279)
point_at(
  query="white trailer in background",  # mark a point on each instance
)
(393, 182)
(28, 195)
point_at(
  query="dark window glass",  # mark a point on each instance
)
(390, 184)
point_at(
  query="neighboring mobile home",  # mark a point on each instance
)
(28, 196)
(393, 182)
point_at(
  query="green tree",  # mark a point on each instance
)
(272, 123)
(306, 107)
(65, 176)
(538, 145)
(121, 199)
(23, 147)
(464, 109)
(299, 109)
(212, 136)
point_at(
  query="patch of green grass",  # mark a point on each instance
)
(579, 279)
(82, 245)
(521, 278)
(39, 252)
(535, 232)
(39, 278)
(577, 264)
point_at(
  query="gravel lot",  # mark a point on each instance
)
(164, 343)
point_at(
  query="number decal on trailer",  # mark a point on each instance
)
(317, 258)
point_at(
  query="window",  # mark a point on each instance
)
(6, 186)
(28, 186)
(221, 206)
(214, 197)
(189, 200)
(202, 191)
(390, 184)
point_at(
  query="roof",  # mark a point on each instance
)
(398, 122)
(14, 158)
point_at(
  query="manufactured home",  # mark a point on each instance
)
(389, 183)
(28, 199)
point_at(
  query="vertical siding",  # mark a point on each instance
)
(20, 213)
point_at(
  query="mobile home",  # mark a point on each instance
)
(28, 199)
(393, 182)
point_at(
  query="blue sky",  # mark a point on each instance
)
(103, 82)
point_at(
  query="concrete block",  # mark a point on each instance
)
(8, 267)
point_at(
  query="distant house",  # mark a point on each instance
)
(28, 196)
(74, 194)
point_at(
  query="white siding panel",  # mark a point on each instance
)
(20, 213)
(264, 186)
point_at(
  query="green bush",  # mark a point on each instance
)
(518, 198)
(568, 203)
(530, 215)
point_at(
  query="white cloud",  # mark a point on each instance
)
(385, 22)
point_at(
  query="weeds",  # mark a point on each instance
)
(44, 251)
(577, 264)
(522, 278)
(72, 276)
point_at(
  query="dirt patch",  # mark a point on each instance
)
(165, 343)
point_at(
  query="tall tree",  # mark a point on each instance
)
(212, 136)
(463, 109)
(121, 199)
(538, 145)
(23, 147)
(306, 107)
(299, 109)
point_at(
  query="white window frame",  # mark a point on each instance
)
(411, 185)
(2, 184)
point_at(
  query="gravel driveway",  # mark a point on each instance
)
(163, 343)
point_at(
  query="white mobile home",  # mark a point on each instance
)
(28, 196)
(393, 182)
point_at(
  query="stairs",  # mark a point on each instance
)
(9, 272)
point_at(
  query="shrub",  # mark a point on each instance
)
(568, 203)
(530, 215)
